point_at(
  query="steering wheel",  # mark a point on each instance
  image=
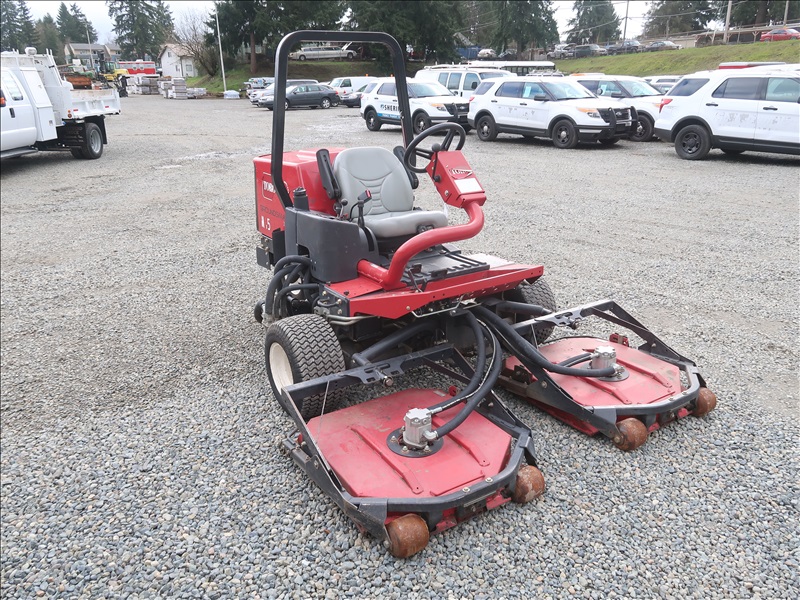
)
(452, 130)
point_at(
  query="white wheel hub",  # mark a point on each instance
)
(280, 367)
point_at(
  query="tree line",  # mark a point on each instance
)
(434, 28)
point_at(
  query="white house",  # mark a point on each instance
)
(176, 62)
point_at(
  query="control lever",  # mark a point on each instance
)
(360, 202)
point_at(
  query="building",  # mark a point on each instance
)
(175, 61)
(92, 53)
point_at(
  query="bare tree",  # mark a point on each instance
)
(192, 33)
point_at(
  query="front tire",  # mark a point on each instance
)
(564, 135)
(372, 120)
(693, 142)
(421, 123)
(301, 348)
(486, 129)
(644, 130)
(540, 294)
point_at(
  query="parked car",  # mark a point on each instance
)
(663, 83)
(779, 35)
(633, 91)
(626, 47)
(461, 81)
(353, 99)
(662, 45)
(255, 95)
(557, 108)
(562, 51)
(320, 52)
(735, 110)
(586, 50)
(312, 95)
(430, 102)
(346, 85)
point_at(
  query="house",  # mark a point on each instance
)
(175, 61)
(92, 53)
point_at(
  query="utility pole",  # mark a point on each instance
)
(221, 62)
(727, 21)
(625, 27)
(786, 14)
(89, 43)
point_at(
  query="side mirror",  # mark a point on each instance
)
(617, 95)
(540, 98)
(474, 85)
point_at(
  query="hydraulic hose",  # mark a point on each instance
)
(481, 336)
(574, 360)
(523, 350)
(478, 396)
(288, 265)
(390, 341)
(522, 308)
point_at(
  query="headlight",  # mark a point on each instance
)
(439, 107)
(590, 112)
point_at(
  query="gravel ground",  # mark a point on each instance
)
(140, 441)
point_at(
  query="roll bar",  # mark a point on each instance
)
(278, 108)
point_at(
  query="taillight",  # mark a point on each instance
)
(663, 103)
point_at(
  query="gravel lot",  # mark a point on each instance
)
(140, 442)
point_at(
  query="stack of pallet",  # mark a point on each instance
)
(143, 84)
(178, 88)
(164, 87)
(196, 92)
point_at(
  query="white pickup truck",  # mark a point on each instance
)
(40, 111)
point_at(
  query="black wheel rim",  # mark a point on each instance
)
(690, 143)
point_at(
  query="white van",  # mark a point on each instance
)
(461, 81)
(347, 85)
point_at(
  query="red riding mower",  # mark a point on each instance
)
(366, 288)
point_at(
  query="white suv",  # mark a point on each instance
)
(557, 108)
(631, 90)
(734, 110)
(430, 103)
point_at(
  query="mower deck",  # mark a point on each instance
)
(354, 442)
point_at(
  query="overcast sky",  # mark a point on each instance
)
(97, 12)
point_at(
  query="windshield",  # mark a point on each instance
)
(638, 88)
(428, 89)
(567, 90)
(337, 82)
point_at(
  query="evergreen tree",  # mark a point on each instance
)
(83, 26)
(142, 26)
(28, 33)
(676, 16)
(428, 26)
(595, 21)
(50, 38)
(10, 38)
(756, 12)
(525, 22)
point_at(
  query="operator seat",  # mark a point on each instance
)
(390, 212)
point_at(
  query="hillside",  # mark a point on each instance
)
(678, 62)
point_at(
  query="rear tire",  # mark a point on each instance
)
(693, 142)
(300, 348)
(92, 147)
(325, 103)
(564, 135)
(486, 129)
(372, 120)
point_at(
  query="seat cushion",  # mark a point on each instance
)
(395, 224)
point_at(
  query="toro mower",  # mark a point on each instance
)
(366, 288)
